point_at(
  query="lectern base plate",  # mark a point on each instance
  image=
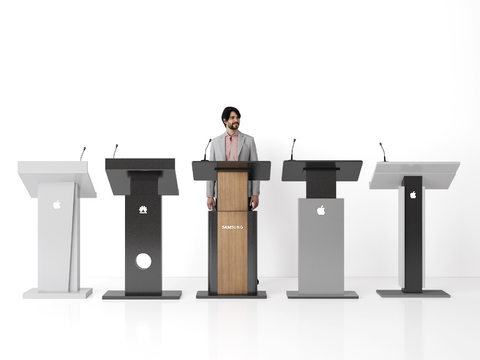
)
(423, 294)
(120, 295)
(346, 295)
(35, 294)
(206, 295)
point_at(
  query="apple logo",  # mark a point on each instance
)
(321, 210)
(56, 205)
(413, 195)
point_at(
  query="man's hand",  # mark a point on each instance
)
(210, 202)
(254, 202)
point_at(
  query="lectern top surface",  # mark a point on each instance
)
(120, 172)
(207, 170)
(34, 172)
(436, 175)
(346, 170)
(140, 164)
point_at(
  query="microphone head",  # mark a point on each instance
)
(116, 145)
(294, 140)
(380, 144)
(84, 148)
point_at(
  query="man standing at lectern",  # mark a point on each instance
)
(233, 146)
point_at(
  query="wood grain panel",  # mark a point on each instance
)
(232, 254)
(232, 191)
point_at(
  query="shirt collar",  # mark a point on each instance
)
(234, 135)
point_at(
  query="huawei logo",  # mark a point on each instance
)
(142, 210)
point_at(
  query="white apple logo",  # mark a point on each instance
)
(413, 195)
(56, 205)
(321, 210)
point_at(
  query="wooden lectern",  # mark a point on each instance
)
(232, 268)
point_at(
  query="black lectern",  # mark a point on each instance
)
(232, 229)
(321, 227)
(143, 182)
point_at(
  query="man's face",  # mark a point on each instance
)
(233, 121)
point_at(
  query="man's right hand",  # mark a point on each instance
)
(210, 202)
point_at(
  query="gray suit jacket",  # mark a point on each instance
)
(247, 151)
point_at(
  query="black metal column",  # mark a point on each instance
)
(212, 253)
(143, 234)
(252, 253)
(321, 183)
(413, 234)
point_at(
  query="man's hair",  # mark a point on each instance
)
(226, 113)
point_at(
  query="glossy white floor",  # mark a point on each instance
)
(275, 328)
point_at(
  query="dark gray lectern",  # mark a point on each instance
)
(232, 229)
(321, 227)
(411, 179)
(143, 182)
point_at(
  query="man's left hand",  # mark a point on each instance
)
(254, 202)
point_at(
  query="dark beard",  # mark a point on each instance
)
(233, 128)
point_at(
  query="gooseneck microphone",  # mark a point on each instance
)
(82, 153)
(291, 155)
(384, 158)
(115, 151)
(205, 155)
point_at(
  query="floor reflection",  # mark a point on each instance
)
(321, 328)
(232, 329)
(143, 322)
(413, 336)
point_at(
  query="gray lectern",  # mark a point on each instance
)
(321, 227)
(411, 179)
(58, 185)
(142, 182)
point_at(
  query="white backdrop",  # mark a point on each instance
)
(154, 77)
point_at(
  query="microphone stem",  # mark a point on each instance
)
(205, 154)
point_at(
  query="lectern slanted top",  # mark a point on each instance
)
(345, 170)
(435, 175)
(33, 173)
(208, 170)
(161, 172)
(321, 176)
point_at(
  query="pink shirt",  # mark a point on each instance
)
(231, 147)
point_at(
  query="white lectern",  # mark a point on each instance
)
(58, 185)
(412, 179)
